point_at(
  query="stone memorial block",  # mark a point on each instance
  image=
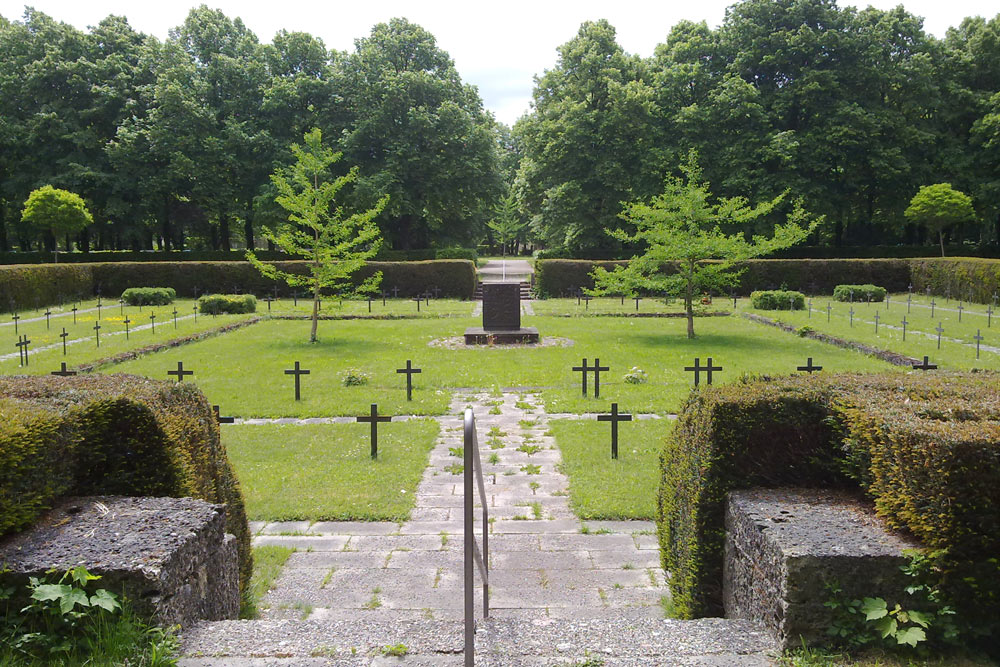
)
(501, 306)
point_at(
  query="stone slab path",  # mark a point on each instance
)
(560, 590)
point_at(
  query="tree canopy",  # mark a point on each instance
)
(938, 207)
(55, 213)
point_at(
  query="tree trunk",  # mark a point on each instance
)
(688, 297)
(3, 229)
(248, 229)
(315, 314)
(941, 238)
(83, 242)
(165, 225)
(224, 232)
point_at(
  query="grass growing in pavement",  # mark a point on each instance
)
(958, 348)
(324, 471)
(268, 561)
(244, 371)
(601, 487)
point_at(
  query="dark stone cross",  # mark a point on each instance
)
(597, 368)
(74, 309)
(295, 298)
(15, 317)
(268, 299)
(121, 307)
(126, 322)
(22, 349)
(932, 307)
(734, 302)
(195, 307)
(63, 335)
(180, 372)
(887, 301)
(829, 309)
(637, 299)
(369, 303)
(98, 309)
(876, 322)
(175, 317)
(852, 316)
(297, 372)
(220, 419)
(63, 371)
(579, 295)
(904, 328)
(418, 299)
(989, 316)
(809, 368)
(409, 370)
(979, 339)
(395, 292)
(960, 309)
(940, 330)
(909, 297)
(97, 333)
(614, 418)
(622, 296)
(925, 366)
(48, 312)
(586, 301)
(910, 288)
(436, 291)
(583, 370)
(373, 418)
(698, 368)
(384, 293)
(810, 309)
(152, 321)
(852, 296)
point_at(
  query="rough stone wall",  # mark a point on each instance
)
(783, 546)
(171, 557)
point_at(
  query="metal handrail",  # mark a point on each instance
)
(473, 466)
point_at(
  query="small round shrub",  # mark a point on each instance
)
(149, 296)
(859, 293)
(778, 300)
(354, 377)
(233, 304)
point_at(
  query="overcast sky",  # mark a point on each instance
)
(497, 47)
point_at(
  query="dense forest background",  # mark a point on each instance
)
(171, 143)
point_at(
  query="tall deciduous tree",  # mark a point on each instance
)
(940, 206)
(683, 229)
(335, 243)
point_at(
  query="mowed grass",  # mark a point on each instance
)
(958, 347)
(390, 307)
(612, 305)
(244, 371)
(81, 339)
(604, 488)
(324, 472)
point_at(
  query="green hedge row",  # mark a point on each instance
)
(218, 304)
(859, 293)
(31, 286)
(923, 447)
(562, 277)
(384, 255)
(149, 296)
(966, 278)
(111, 435)
(778, 300)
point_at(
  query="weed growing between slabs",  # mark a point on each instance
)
(323, 472)
(268, 561)
(958, 348)
(243, 371)
(602, 488)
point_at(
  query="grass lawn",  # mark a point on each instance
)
(244, 371)
(332, 307)
(601, 487)
(614, 305)
(323, 472)
(958, 348)
(112, 333)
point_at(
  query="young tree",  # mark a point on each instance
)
(55, 213)
(336, 243)
(687, 250)
(939, 206)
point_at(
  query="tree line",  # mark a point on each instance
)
(171, 143)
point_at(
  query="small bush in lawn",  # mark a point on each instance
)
(778, 300)
(354, 377)
(233, 304)
(860, 293)
(636, 376)
(148, 296)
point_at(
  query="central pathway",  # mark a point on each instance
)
(560, 589)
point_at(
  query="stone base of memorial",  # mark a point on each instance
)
(170, 556)
(481, 336)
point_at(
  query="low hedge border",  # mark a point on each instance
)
(232, 304)
(859, 293)
(923, 447)
(148, 296)
(713, 313)
(165, 345)
(894, 358)
(112, 435)
(778, 300)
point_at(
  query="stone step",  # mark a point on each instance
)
(512, 640)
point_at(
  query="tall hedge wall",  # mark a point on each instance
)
(45, 257)
(967, 277)
(111, 435)
(924, 447)
(31, 285)
(559, 277)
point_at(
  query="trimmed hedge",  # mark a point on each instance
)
(111, 434)
(44, 257)
(924, 447)
(859, 293)
(560, 277)
(218, 304)
(149, 296)
(967, 278)
(778, 300)
(34, 286)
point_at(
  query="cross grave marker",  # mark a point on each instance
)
(121, 307)
(418, 299)
(637, 299)
(410, 371)
(809, 368)
(979, 339)
(904, 328)
(48, 312)
(97, 332)
(220, 419)
(180, 372)
(175, 317)
(22, 349)
(932, 307)
(63, 335)
(74, 309)
(583, 370)
(989, 316)
(373, 418)
(152, 321)
(960, 309)
(698, 369)
(63, 371)
(614, 418)
(15, 317)
(852, 316)
(127, 321)
(876, 322)
(925, 366)
(940, 330)
(298, 373)
(829, 309)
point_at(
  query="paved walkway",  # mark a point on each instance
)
(561, 590)
(506, 271)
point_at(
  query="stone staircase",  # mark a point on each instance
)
(559, 594)
(526, 294)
